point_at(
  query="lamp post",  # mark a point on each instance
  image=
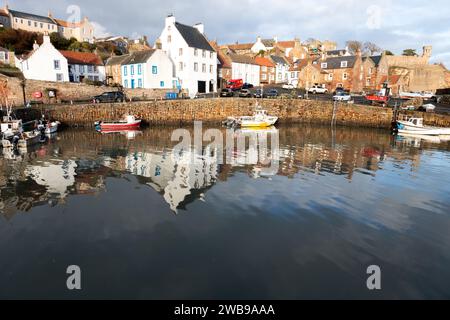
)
(23, 85)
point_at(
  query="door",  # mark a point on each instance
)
(202, 87)
(132, 84)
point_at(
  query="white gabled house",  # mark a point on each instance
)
(45, 63)
(194, 59)
(245, 68)
(84, 65)
(150, 69)
(282, 69)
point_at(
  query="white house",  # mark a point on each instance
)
(44, 63)
(282, 69)
(151, 69)
(194, 59)
(84, 65)
(6, 57)
(245, 68)
(264, 44)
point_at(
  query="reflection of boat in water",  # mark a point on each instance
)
(260, 119)
(413, 125)
(416, 138)
(129, 123)
(129, 134)
(49, 127)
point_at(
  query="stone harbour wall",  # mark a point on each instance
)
(185, 112)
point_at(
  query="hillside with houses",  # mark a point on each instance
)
(184, 60)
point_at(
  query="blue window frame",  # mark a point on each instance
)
(139, 69)
(161, 84)
(125, 70)
(154, 69)
(132, 70)
(126, 83)
(139, 83)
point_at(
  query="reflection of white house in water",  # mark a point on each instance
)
(55, 176)
(175, 178)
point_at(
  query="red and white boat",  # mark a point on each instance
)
(129, 123)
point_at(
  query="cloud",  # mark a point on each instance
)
(393, 25)
(100, 30)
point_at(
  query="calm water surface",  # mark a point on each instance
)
(142, 224)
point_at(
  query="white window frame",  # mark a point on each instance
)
(344, 64)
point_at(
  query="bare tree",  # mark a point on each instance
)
(371, 48)
(353, 46)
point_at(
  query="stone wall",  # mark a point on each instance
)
(215, 110)
(71, 91)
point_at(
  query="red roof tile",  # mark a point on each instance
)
(74, 57)
(264, 62)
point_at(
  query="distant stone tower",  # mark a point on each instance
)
(427, 51)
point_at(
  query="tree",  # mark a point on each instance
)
(388, 53)
(353, 46)
(18, 40)
(371, 48)
(410, 52)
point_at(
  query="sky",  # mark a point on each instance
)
(392, 24)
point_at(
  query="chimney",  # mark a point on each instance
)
(258, 39)
(46, 39)
(275, 39)
(358, 53)
(35, 45)
(170, 20)
(200, 27)
(50, 14)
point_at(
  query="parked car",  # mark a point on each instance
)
(258, 93)
(288, 86)
(226, 93)
(317, 89)
(342, 96)
(247, 86)
(338, 90)
(114, 96)
(245, 93)
(272, 93)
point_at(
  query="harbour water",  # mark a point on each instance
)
(141, 223)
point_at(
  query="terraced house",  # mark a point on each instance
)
(344, 72)
(150, 69)
(84, 65)
(31, 22)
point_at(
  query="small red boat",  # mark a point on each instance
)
(129, 123)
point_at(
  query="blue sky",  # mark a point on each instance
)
(392, 24)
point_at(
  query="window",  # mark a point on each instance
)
(293, 74)
(125, 71)
(264, 68)
(180, 66)
(203, 67)
(90, 69)
(29, 23)
(59, 77)
(330, 76)
(204, 53)
(211, 69)
(154, 69)
(161, 84)
(344, 76)
(132, 70)
(48, 27)
(370, 70)
(35, 24)
(126, 83)
(344, 64)
(140, 83)
(56, 64)
(264, 76)
(139, 69)
(195, 66)
(324, 65)
(180, 51)
(169, 39)
(368, 82)
(195, 52)
(95, 69)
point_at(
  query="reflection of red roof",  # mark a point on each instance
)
(264, 62)
(74, 57)
(392, 79)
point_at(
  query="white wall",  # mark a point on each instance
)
(183, 62)
(249, 73)
(40, 66)
(100, 72)
(164, 69)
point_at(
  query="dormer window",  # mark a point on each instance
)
(324, 65)
(344, 64)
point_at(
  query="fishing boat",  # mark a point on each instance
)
(9, 127)
(412, 125)
(49, 127)
(129, 123)
(260, 119)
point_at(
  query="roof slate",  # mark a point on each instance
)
(193, 37)
(138, 57)
(335, 62)
(116, 60)
(29, 16)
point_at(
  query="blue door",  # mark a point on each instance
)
(132, 83)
